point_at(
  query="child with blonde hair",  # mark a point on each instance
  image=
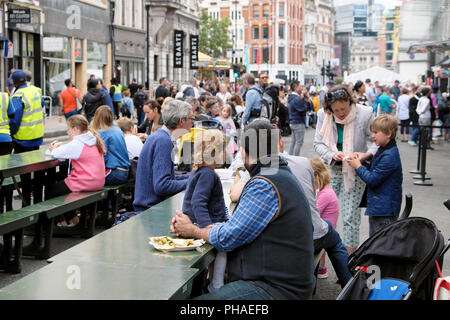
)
(229, 128)
(326, 201)
(133, 142)
(204, 200)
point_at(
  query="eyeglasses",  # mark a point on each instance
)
(263, 77)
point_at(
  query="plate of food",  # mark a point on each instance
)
(166, 244)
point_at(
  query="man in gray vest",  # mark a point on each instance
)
(269, 238)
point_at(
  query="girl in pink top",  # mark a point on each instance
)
(85, 152)
(326, 200)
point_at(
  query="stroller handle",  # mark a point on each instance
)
(447, 204)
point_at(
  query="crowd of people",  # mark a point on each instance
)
(287, 205)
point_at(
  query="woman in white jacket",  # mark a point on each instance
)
(423, 107)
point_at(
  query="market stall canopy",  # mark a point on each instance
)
(210, 63)
(383, 76)
(429, 47)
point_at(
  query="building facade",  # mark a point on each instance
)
(129, 40)
(233, 9)
(364, 55)
(76, 42)
(166, 20)
(274, 34)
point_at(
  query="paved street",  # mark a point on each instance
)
(427, 203)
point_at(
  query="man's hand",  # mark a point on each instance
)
(182, 225)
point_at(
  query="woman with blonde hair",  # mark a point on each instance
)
(116, 158)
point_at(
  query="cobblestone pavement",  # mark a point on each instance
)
(427, 202)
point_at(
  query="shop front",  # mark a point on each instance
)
(24, 41)
(129, 55)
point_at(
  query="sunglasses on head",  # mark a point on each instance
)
(338, 94)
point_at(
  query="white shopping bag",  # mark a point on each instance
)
(441, 287)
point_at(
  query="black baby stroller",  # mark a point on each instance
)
(396, 263)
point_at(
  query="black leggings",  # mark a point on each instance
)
(404, 128)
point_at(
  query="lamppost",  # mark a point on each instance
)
(147, 41)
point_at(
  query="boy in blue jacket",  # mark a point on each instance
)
(384, 177)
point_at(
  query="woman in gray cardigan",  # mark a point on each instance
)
(343, 129)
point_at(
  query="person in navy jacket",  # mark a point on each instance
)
(384, 177)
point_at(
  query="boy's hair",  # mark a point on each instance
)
(212, 146)
(322, 172)
(386, 124)
(125, 124)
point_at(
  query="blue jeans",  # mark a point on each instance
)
(237, 290)
(415, 132)
(337, 253)
(116, 177)
(314, 119)
(379, 222)
(298, 133)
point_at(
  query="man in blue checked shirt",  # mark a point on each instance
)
(269, 238)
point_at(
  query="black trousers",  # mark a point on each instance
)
(116, 105)
(58, 189)
(5, 148)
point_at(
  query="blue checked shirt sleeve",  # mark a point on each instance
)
(257, 206)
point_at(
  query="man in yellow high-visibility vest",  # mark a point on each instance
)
(115, 92)
(7, 112)
(28, 127)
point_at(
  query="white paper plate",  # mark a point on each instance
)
(175, 249)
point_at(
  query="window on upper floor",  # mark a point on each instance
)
(281, 30)
(281, 55)
(281, 10)
(255, 32)
(265, 32)
(266, 9)
(256, 11)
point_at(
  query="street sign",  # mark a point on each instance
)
(178, 49)
(16, 16)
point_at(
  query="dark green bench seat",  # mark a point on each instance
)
(43, 213)
(12, 224)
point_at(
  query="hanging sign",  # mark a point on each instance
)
(178, 49)
(194, 51)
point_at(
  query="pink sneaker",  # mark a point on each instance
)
(322, 274)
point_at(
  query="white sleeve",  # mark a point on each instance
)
(71, 150)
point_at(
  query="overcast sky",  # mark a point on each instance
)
(387, 3)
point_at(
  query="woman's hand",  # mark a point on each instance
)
(339, 156)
